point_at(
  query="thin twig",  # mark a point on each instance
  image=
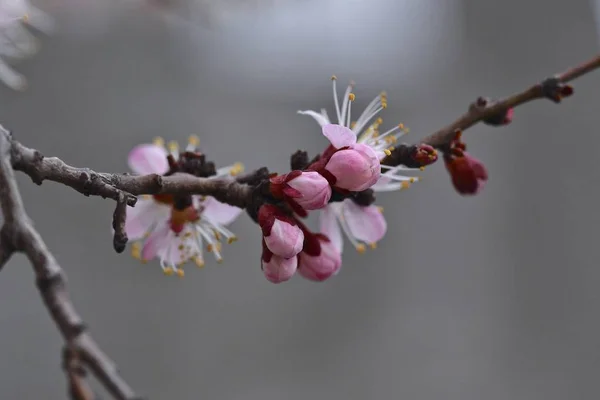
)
(477, 113)
(18, 234)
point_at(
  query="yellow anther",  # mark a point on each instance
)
(361, 248)
(380, 209)
(401, 126)
(194, 140)
(199, 262)
(180, 273)
(379, 121)
(219, 260)
(405, 185)
(232, 239)
(173, 146)
(187, 234)
(333, 77)
(218, 246)
(25, 18)
(236, 169)
(217, 235)
(351, 97)
(209, 248)
(158, 141)
(373, 245)
(412, 180)
(422, 168)
(180, 247)
(387, 152)
(384, 105)
(168, 271)
(352, 124)
(136, 251)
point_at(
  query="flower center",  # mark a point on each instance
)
(180, 217)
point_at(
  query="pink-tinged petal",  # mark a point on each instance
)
(285, 240)
(141, 218)
(219, 213)
(314, 190)
(147, 159)
(330, 227)
(156, 242)
(320, 118)
(279, 269)
(321, 267)
(366, 224)
(339, 135)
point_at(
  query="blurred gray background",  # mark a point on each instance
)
(493, 297)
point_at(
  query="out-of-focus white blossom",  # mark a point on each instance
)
(16, 41)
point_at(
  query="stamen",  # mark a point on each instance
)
(351, 98)
(136, 250)
(335, 99)
(373, 245)
(158, 141)
(362, 120)
(199, 262)
(345, 103)
(174, 149)
(193, 143)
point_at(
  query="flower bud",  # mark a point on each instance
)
(308, 189)
(320, 260)
(355, 168)
(281, 233)
(468, 174)
(277, 269)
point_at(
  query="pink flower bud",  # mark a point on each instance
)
(320, 260)
(277, 269)
(281, 233)
(355, 168)
(309, 189)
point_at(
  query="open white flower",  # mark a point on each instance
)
(15, 40)
(174, 230)
(362, 225)
(366, 128)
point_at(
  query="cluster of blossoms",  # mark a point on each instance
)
(15, 40)
(340, 184)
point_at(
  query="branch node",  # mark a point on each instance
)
(555, 90)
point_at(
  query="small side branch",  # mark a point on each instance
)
(19, 234)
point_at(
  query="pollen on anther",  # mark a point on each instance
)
(173, 146)
(351, 97)
(232, 239)
(405, 185)
(194, 140)
(25, 18)
(168, 271)
(379, 121)
(380, 209)
(422, 168)
(387, 152)
(158, 141)
(136, 251)
(333, 77)
(361, 248)
(180, 273)
(199, 262)
(373, 245)
(236, 169)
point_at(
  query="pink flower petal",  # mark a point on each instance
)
(156, 242)
(330, 227)
(141, 218)
(339, 136)
(219, 213)
(147, 159)
(366, 224)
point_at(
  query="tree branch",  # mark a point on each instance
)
(479, 111)
(18, 234)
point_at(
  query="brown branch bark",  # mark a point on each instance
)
(19, 235)
(478, 113)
